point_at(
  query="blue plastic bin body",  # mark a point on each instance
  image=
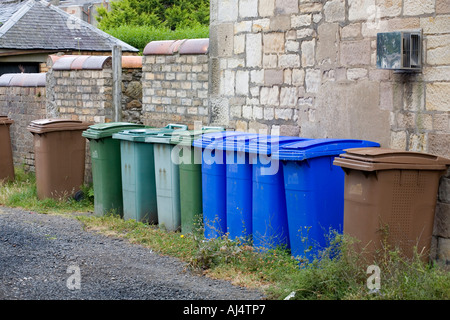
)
(214, 181)
(314, 190)
(238, 187)
(269, 216)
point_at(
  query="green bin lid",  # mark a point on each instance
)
(186, 137)
(139, 135)
(105, 130)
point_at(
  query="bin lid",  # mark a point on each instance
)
(270, 144)
(238, 142)
(4, 120)
(372, 159)
(313, 148)
(186, 137)
(104, 130)
(50, 125)
(215, 139)
(139, 135)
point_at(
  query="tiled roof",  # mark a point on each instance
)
(35, 24)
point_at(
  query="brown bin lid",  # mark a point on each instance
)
(371, 159)
(5, 120)
(50, 125)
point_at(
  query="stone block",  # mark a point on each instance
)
(355, 53)
(442, 6)
(442, 220)
(438, 96)
(248, 8)
(253, 50)
(360, 10)
(289, 61)
(439, 144)
(227, 10)
(308, 53)
(266, 8)
(303, 20)
(269, 95)
(444, 190)
(313, 80)
(286, 6)
(242, 80)
(438, 49)
(418, 7)
(280, 23)
(334, 11)
(326, 53)
(273, 76)
(273, 42)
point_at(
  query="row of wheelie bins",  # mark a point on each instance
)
(273, 190)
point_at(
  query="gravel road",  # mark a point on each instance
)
(51, 257)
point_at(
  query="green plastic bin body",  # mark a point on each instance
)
(138, 173)
(190, 172)
(106, 168)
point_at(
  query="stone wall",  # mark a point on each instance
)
(80, 88)
(23, 99)
(175, 82)
(308, 68)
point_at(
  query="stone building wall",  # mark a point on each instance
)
(23, 99)
(175, 82)
(308, 68)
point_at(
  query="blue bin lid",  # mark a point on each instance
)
(215, 140)
(314, 148)
(269, 144)
(237, 142)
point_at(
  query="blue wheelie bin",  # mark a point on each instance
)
(214, 181)
(269, 216)
(238, 187)
(314, 191)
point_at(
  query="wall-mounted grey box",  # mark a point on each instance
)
(400, 50)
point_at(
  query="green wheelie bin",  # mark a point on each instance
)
(106, 170)
(190, 172)
(138, 172)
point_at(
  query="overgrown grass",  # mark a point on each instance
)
(337, 273)
(140, 36)
(22, 193)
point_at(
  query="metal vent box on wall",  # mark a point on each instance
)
(400, 50)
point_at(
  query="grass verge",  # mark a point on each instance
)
(337, 273)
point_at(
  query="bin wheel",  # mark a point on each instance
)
(79, 195)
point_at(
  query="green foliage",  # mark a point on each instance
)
(172, 14)
(140, 36)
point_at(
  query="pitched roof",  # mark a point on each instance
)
(35, 24)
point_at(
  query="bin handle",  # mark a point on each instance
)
(212, 128)
(175, 125)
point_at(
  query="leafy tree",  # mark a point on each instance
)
(170, 14)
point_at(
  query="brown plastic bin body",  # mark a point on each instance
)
(6, 157)
(60, 151)
(390, 199)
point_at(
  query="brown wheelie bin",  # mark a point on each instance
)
(6, 158)
(390, 198)
(59, 149)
